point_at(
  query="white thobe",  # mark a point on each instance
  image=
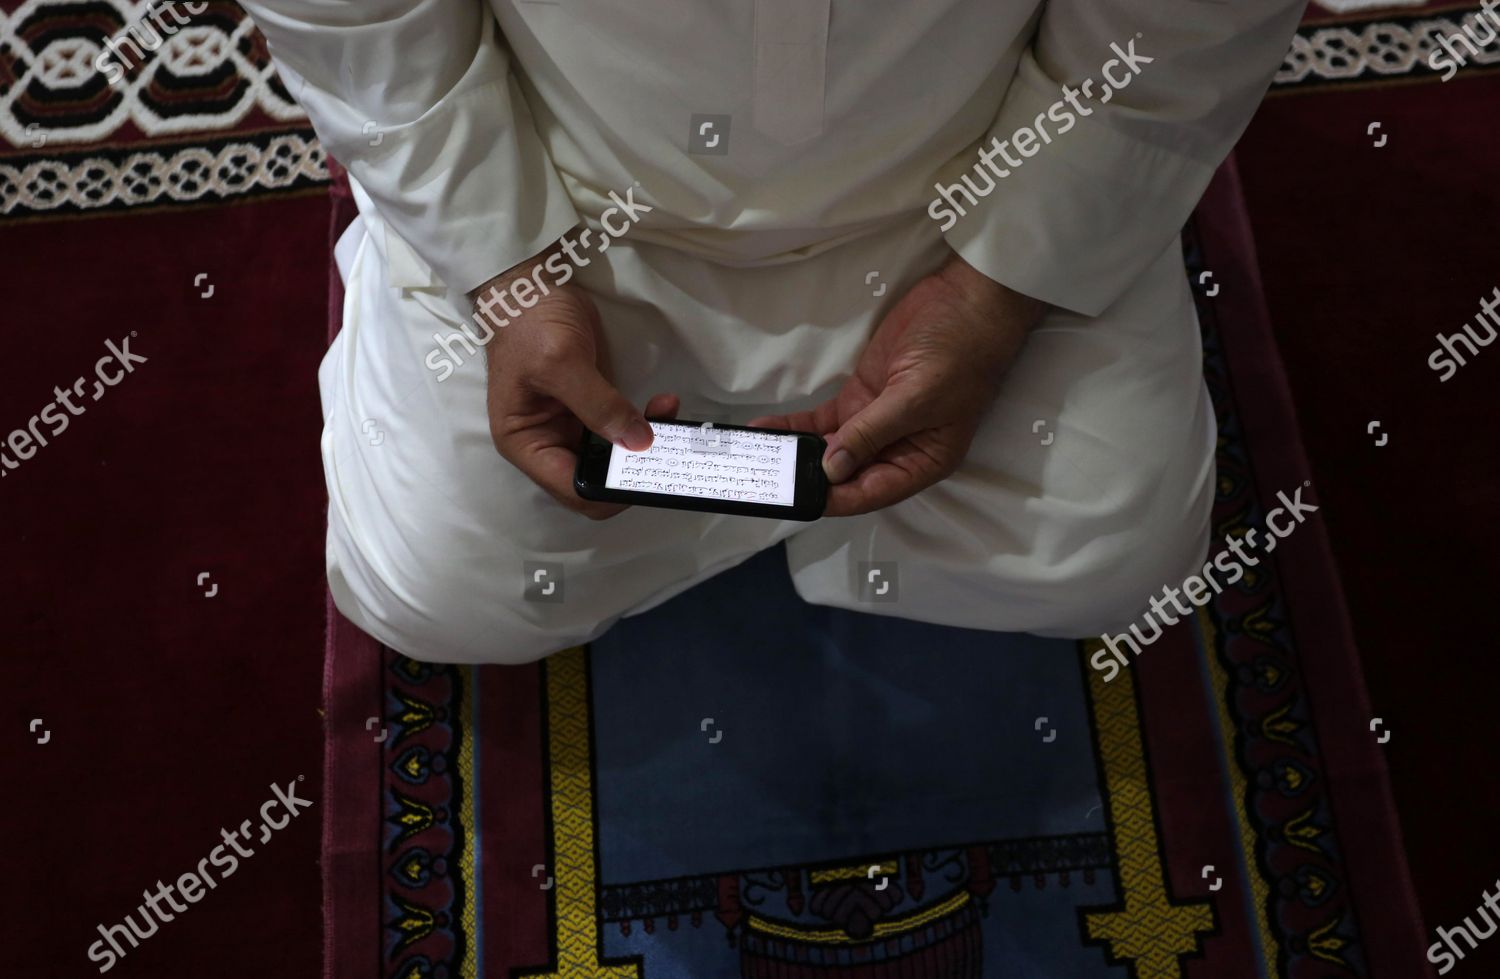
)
(771, 251)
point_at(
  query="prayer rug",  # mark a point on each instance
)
(732, 786)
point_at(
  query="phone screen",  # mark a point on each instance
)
(710, 463)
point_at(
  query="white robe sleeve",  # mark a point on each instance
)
(416, 98)
(1086, 214)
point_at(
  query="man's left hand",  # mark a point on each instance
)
(905, 419)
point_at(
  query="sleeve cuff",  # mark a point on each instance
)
(472, 199)
(1079, 221)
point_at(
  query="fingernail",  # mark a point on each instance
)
(839, 466)
(637, 436)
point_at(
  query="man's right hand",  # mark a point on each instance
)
(547, 382)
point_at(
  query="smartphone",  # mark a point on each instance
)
(710, 468)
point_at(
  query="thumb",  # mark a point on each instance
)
(861, 438)
(602, 408)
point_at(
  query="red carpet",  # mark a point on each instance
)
(1366, 253)
(167, 714)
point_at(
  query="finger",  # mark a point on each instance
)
(874, 487)
(783, 423)
(820, 420)
(891, 416)
(600, 406)
(663, 406)
(551, 467)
